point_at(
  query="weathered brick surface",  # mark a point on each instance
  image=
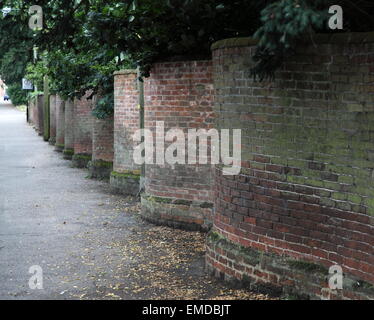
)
(83, 125)
(46, 111)
(60, 123)
(306, 186)
(69, 129)
(126, 122)
(40, 116)
(52, 121)
(102, 139)
(102, 148)
(126, 119)
(180, 94)
(33, 112)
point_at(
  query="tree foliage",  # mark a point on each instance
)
(149, 31)
(285, 22)
(16, 94)
(83, 41)
(15, 49)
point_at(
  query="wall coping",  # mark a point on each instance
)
(125, 71)
(320, 38)
(234, 42)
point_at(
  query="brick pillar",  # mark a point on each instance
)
(126, 174)
(40, 111)
(102, 148)
(69, 130)
(52, 119)
(303, 200)
(83, 125)
(60, 124)
(179, 94)
(46, 112)
(32, 112)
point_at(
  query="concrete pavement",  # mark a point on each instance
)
(89, 243)
(43, 202)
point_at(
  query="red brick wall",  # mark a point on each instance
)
(126, 119)
(181, 95)
(83, 125)
(60, 121)
(102, 139)
(52, 121)
(306, 186)
(33, 110)
(40, 117)
(69, 125)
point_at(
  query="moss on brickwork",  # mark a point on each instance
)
(206, 205)
(125, 175)
(100, 169)
(157, 199)
(308, 133)
(126, 183)
(165, 211)
(299, 140)
(309, 267)
(214, 236)
(306, 274)
(68, 152)
(81, 160)
(81, 156)
(102, 163)
(181, 202)
(59, 147)
(248, 254)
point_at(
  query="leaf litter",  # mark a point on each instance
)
(126, 258)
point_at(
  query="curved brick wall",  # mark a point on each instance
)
(40, 111)
(60, 124)
(52, 121)
(83, 125)
(33, 112)
(102, 148)
(126, 174)
(304, 198)
(181, 95)
(69, 129)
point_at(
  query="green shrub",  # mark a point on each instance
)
(17, 94)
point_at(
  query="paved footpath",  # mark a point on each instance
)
(89, 243)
